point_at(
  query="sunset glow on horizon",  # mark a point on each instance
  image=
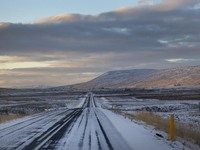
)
(68, 42)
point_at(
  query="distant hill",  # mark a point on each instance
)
(145, 78)
(135, 78)
(114, 79)
(182, 76)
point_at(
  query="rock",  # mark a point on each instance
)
(159, 135)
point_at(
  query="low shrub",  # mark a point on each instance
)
(4, 118)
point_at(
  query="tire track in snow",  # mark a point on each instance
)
(104, 133)
(85, 128)
(84, 131)
(19, 126)
(81, 120)
(90, 139)
(54, 133)
(98, 141)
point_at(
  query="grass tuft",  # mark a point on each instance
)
(181, 130)
(4, 118)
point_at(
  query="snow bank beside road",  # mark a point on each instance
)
(140, 137)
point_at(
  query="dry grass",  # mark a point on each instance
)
(4, 118)
(181, 130)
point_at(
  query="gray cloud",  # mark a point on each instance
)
(142, 36)
(129, 30)
(169, 4)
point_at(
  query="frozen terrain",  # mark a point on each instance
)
(145, 78)
(85, 122)
(187, 111)
(117, 78)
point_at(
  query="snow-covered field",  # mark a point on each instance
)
(142, 137)
(34, 102)
(81, 121)
(185, 111)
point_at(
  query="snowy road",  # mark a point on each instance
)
(93, 131)
(86, 127)
(79, 128)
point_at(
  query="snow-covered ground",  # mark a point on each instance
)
(140, 137)
(35, 102)
(185, 111)
(146, 78)
(86, 123)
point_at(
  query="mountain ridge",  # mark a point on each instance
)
(145, 78)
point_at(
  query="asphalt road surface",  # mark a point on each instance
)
(84, 128)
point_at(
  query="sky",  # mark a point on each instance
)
(62, 42)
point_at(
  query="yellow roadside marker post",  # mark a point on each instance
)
(171, 128)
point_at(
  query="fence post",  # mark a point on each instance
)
(171, 128)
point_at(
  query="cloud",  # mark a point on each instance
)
(24, 65)
(59, 18)
(171, 4)
(164, 5)
(5, 59)
(117, 31)
(144, 1)
(32, 77)
(174, 60)
(116, 36)
(146, 35)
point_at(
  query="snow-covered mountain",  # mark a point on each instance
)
(146, 78)
(137, 78)
(182, 76)
(114, 79)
